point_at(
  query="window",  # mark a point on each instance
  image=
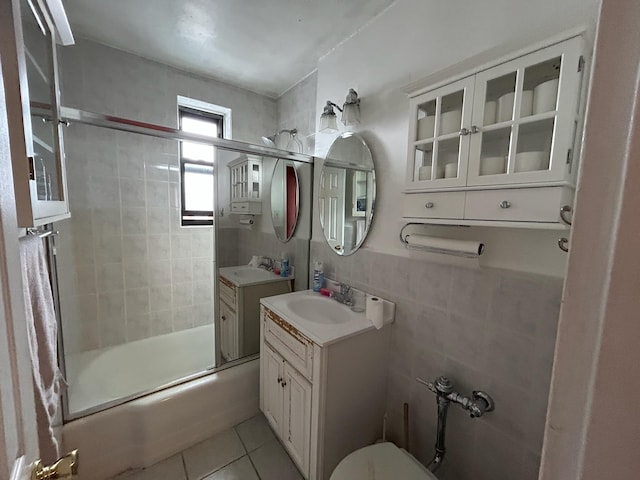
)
(197, 166)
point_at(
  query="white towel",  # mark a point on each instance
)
(42, 331)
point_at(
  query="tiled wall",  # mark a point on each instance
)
(486, 329)
(128, 270)
(296, 109)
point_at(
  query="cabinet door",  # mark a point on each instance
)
(297, 417)
(228, 333)
(525, 117)
(272, 392)
(43, 130)
(438, 140)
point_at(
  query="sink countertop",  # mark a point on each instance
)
(322, 334)
(246, 276)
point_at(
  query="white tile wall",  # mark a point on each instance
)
(486, 329)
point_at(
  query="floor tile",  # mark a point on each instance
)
(170, 469)
(273, 463)
(213, 454)
(238, 470)
(255, 432)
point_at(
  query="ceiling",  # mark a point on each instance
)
(262, 45)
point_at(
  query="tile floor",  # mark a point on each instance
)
(248, 451)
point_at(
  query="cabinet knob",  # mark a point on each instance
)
(223, 318)
(464, 132)
(474, 129)
(429, 205)
(505, 204)
(284, 383)
(279, 379)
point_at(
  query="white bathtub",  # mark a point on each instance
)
(101, 376)
(143, 431)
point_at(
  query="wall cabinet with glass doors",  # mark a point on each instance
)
(503, 135)
(246, 185)
(39, 169)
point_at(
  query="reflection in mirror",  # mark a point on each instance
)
(347, 193)
(249, 256)
(285, 195)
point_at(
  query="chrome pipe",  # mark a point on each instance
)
(480, 403)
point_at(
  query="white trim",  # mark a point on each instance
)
(209, 108)
(21, 470)
(64, 35)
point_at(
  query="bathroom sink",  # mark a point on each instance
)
(244, 275)
(250, 273)
(319, 310)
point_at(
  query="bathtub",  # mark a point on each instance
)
(106, 375)
(146, 430)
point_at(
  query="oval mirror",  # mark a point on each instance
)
(347, 193)
(285, 195)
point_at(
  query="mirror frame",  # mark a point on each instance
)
(347, 165)
(285, 163)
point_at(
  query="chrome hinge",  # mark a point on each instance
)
(569, 156)
(580, 63)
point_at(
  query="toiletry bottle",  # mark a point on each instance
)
(318, 277)
(284, 264)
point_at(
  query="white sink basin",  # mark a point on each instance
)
(319, 310)
(244, 275)
(250, 273)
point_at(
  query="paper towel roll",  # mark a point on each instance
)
(446, 245)
(375, 311)
(246, 221)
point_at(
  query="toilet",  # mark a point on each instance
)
(382, 461)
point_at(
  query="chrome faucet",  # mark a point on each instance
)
(344, 296)
(479, 403)
(267, 263)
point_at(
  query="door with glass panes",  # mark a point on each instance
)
(438, 150)
(525, 115)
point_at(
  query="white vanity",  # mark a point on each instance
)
(322, 378)
(241, 289)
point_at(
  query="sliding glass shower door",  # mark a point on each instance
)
(136, 286)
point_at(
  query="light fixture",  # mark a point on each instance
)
(272, 140)
(350, 113)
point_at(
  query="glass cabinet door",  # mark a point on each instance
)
(524, 118)
(438, 146)
(44, 133)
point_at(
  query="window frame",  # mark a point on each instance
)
(188, 217)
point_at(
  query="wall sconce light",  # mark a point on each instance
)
(350, 113)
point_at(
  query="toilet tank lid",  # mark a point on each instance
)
(382, 461)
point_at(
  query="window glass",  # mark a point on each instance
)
(197, 167)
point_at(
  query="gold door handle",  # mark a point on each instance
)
(65, 467)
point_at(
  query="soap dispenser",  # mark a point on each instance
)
(318, 277)
(284, 264)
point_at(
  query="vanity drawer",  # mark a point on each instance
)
(289, 342)
(434, 205)
(246, 208)
(227, 292)
(517, 205)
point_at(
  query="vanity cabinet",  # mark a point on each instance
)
(498, 144)
(240, 313)
(34, 93)
(287, 406)
(246, 185)
(323, 401)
